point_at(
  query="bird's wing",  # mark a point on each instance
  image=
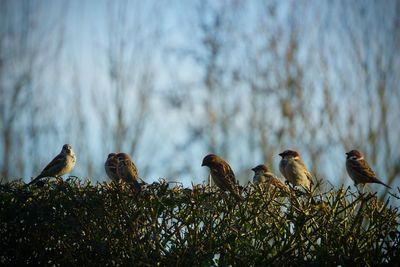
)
(363, 169)
(55, 165)
(224, 178)
(229, 175)
(127, 170)
(279, 184)
(131, 171)
(306, 172)
(309, 177)
(233, 184)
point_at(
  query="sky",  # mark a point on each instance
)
(167, 36)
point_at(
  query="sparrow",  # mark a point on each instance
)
(359, 170)
(126, 171)
(294, 170)
(111, 165)
(222, 175)
(63, 163)
(262, 175)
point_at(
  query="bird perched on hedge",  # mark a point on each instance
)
(63, 163)
(111, 166)
(359, 170)
(262, 175)
(294, 170)
(222, 175)
(126, 171)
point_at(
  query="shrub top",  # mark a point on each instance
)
(75, 223)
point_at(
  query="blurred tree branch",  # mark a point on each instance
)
(27, 45)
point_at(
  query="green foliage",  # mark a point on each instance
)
(76, 223)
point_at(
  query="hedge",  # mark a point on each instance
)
(78, 223)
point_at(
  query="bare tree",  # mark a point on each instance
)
(126, 105)
(373, 35)
(297, 95)
(212, 51)
(28, 44)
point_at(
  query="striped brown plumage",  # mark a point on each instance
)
(262, 175)
(359, 170)
(63, 163)
(126, 171)
(222, 175)
(294, 170)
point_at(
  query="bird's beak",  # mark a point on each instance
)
(347, 153)
(281, 154)
(253, 169)
(202, 164)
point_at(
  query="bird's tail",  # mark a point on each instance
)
(136, 186)
(132, 181)
(237, 196)
(382, 183)
(35, 180)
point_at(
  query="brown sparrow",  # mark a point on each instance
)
(222, 175)
(294, 170)
(111, 165)
(359, 170)
(63, 163)
(262, 175)
(126, 171)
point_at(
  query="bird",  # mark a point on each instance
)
(63, 163)
(126, 171)
(294, 170)
(111, 166)
(262, 175)
(222, 175)
(359, 170)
